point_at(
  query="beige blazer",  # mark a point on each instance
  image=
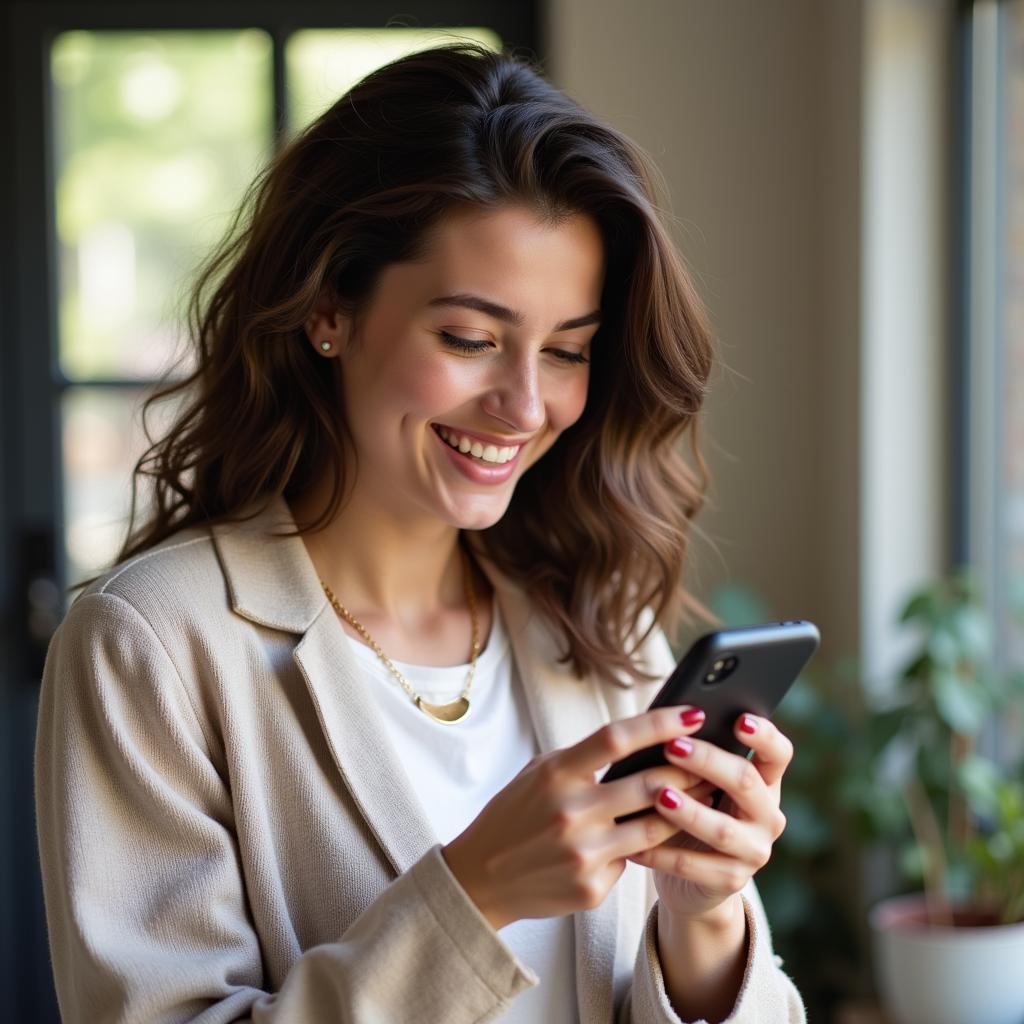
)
(227, 833)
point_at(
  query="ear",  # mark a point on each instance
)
(327, 327)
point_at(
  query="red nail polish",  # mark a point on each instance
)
(680, 747)
(747, 725)
(692, 716)
(669, 798)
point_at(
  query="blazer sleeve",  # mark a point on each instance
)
(145, 898)
(767, 995)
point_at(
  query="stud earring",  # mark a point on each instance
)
(325, 346)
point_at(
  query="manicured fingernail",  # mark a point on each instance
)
(692, 716)
(669, 798)
(747, 725)
(680, 747)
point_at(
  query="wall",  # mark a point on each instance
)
(727, 99)
(757, 113)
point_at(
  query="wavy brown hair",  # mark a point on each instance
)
(598, 529)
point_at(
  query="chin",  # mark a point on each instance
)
(479, 518)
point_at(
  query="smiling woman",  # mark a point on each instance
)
(491, 378)
(336, 713)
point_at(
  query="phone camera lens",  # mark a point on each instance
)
(721, 669)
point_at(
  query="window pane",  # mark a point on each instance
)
(1010, 487)
(156, 136)
(102, 440)
(324, 63)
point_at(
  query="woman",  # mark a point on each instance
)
(443, 368)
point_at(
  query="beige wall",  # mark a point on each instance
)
(754, 110)
(728, 98)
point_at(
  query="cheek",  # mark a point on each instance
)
(405, 386)
(422, 386)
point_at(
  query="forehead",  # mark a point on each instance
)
(511, 255)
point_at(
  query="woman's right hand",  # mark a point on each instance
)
(547, 844)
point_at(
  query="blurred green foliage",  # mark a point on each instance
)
(845, 794)
(917, 777)
(156, 136)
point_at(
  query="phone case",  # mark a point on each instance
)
(768, 657)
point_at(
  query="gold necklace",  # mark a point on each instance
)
(449, 713)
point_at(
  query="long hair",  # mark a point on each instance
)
(598, 528)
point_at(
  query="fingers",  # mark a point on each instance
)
(712, 871)
(639, 790)
(618, 739)
(773, 751)
(743, 780)
(730, 772)
(639, 835)
(745, 841)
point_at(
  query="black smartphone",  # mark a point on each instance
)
(727, 673)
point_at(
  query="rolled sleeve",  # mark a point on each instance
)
(766, 996)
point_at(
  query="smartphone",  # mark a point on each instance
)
(727, 673)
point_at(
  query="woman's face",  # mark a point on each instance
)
(481, 345)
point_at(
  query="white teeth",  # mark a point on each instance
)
(486, 453)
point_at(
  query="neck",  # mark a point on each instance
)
(402, 572)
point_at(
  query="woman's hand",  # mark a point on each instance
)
(716, 852)
(548, 844)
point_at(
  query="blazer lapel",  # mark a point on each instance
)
(362, 748)
(273, 581)
(564, 710)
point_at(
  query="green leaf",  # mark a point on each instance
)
(958, 703)
(912, 861)
(980, 780)
(972, 630)
(918, 667)
(943, 648)
(921, 605)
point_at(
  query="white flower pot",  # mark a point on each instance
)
(946, 975)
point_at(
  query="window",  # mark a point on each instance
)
(993, 384)
(156, 135)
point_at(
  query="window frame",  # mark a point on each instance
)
(982, 352)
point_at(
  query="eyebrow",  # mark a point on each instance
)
(509, 316)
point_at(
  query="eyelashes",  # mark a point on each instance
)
(465, 345)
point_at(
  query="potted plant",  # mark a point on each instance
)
(953, 951)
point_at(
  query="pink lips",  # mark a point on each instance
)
(477, 471)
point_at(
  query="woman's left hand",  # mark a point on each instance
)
(718, 851)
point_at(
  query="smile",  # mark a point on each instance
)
(475, 449)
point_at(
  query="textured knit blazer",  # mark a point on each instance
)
(228, 834)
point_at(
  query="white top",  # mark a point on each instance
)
(455, 769)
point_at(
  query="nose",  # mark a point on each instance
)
(514, 395)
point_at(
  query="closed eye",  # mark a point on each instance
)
(465, 345)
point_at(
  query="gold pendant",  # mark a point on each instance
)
(447, 714)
